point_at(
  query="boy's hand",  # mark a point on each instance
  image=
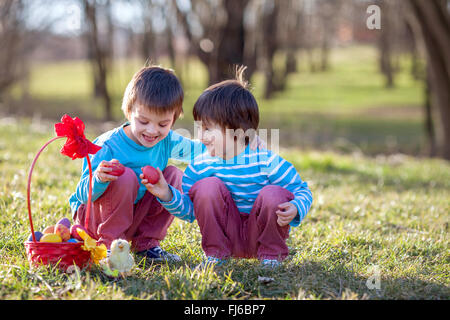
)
(159, 189)
(102, 171)
(286, 213)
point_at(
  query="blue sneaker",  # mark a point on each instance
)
(270, 263)
(159, 255)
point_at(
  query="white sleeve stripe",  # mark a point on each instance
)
(292, 180)
(238, 166)
(175, 203)
(240, 184)
(192, 169)
(245, 193)
(284, 175)
(277, 168)
(258, 174)
(241, 206)
(255, 154)
(303, 206)
(175, 209)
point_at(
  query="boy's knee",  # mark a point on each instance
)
(171, 170)
(128, 175)
(207, 187)
(127, 180)
(274, 195)
(173, 176)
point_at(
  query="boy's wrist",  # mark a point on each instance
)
(168, 196)
(296, 219)
(97, 178)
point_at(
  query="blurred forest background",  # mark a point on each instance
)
(321, 72)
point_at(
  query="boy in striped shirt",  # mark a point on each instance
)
(244, 200)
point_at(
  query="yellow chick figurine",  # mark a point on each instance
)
(120, 258)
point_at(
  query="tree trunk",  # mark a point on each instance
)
(434, 21)
(291, 62)
(429, 127)
(385, 46)
(270, 45)
(229, 40)
(231, 46)
(325, 53)
(98, 57)
(12, 43)
(147, 47)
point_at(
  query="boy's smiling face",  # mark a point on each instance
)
(219, 141)
(147, 127)
(212, 136)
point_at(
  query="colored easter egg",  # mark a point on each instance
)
(65, 222)
(73, 231)
(151, 174)
(117, 168)
(72, 240)
(37, 234)
(49, 229)
(51, 237)
(62, 231)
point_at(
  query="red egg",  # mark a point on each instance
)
(151, 174)
(117, 168)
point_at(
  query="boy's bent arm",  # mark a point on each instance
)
(98, 187)
(184, 149)
(303, 200)
(181, 205)
(284, 174)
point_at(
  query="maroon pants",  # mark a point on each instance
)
(226, 232)
(114, 215)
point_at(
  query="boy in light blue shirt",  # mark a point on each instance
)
(122, 208)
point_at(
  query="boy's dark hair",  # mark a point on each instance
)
(155, 88)
(228, 103)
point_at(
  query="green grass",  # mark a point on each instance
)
(391, 212)
(353, 83)
(388, 212)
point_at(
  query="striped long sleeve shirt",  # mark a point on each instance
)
(244, 176)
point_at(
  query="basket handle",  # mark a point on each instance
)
(86, 222)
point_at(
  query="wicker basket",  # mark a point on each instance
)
(61, 254)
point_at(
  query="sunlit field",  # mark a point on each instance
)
(377, 229)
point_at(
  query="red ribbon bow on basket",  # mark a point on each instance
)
(76, 146)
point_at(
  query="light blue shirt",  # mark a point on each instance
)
(117, 145)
